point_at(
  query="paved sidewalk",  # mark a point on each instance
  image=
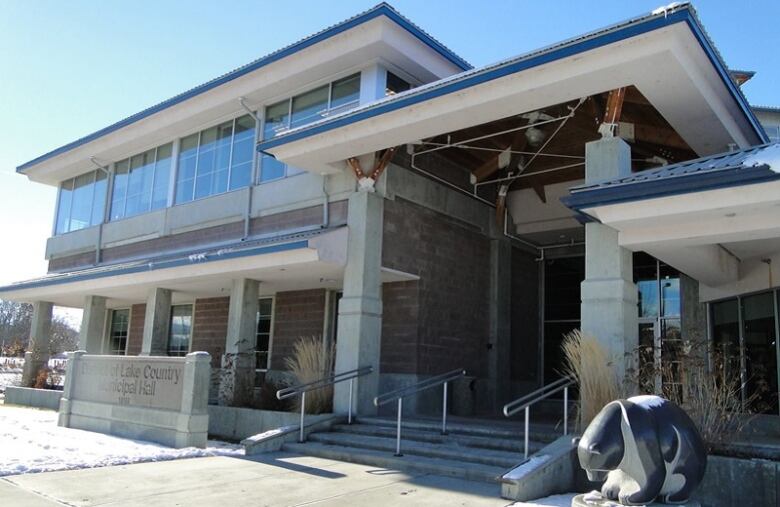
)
(277, 479)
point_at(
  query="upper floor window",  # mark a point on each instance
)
(82, 202)
(216, 160)
(303, 109)
(141, 182)
(395, 84)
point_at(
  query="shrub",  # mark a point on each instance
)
(312, 360)
(41, 379)
(587, 362)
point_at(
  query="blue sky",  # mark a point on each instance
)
(70, 68)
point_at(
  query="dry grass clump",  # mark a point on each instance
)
(312, 360)
(587, 361)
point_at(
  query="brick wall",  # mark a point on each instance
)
(452, 259)
(210, 327)
(135, 334)
(297, 314)
(400, 322)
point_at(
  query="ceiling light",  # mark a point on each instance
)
(535, 136)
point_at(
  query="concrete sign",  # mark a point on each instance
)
(161, 399)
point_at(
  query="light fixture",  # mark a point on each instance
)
(534, 136)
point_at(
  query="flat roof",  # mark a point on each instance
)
(382, 9)
(681, 13)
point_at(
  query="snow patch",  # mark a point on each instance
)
(664, 9)
(769, 156)
(550, 501)
(32, 442)
(270, 434)
(520, 471)
(197, 257)
(647, 401)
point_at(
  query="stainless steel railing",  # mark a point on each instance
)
(525, 403)
(333, 378)
(399, 395)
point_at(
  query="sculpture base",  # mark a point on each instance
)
(594, 499)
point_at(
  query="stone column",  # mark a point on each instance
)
(194, 425)
(499, 354)
(157, 323)
(93, 325)
(609, 295)
(237, 378)
(360, 308)
(37, 355)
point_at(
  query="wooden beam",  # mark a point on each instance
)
(614, 106)
(491, 165)
(354, 164)
(382, 163)
(539, 189)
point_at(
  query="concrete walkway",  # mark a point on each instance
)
(277, 479)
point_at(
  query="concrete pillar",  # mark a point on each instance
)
(360, 309)
(93, 325)
(499, 354)
(609, 295)
(37, 355)
(157, 323)
(237, 378)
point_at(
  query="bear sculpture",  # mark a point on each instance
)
(647, 449)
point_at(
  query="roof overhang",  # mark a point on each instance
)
(315, 260)
(666, 56)
(380, 34)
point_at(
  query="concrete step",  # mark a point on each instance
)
(435, 437)
(407, 463)
(538, 433)
(448, 451)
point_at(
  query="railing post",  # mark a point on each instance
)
(566, 410)
(527, 409)
(398, 430)
(349, 412)
(303, 410)
(444, 412)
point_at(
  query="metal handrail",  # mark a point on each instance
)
(525, 402)
(403, 392)
(333, 378)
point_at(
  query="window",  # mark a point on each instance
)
(117, 336)
(141, 182)
(263, 343)
(303, 109)
(180, 331)
(216, 160)
(395, 84)
(81, 202)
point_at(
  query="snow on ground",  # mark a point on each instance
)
(31, 441)
(551, 501)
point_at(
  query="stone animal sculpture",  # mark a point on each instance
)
(647, 449)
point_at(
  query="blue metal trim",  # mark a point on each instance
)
(383, 9)
(626, 32)
(153, 266)
(696, 182)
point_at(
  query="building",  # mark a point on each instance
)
(369, 186)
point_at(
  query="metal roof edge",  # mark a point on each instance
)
(382, 9)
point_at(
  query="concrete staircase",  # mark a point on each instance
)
(480, 451)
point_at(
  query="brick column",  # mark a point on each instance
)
(360, 308)
(609, 295)
(238, 363)
(157, 322)
(93, 324)
(37, 355)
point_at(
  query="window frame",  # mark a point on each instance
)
(110, 324)
(155, 163)
(94, 183)
(270, 332)
(177, 153)
(328, 111)
(170, 329)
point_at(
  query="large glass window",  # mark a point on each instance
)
(141, 182)
(216, 160)
(117, 335)
(303, 109)
(263, 343)
(81, 202)
(562, 280)
(180, 330)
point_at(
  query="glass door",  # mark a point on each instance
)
(760, 351)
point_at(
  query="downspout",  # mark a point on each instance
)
(106, 210)
(325, 203)
(253, 182)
